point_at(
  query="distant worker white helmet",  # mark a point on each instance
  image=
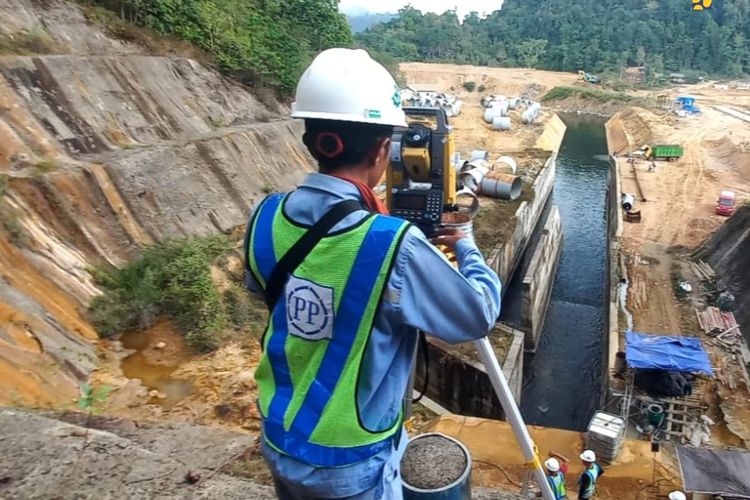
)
(552, 465)
(677, 495)
(348, 85)
(588, 456)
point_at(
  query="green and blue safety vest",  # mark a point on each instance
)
(557, 483)
(317, 333)
(593, 474)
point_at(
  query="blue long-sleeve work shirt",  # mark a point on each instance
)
(424, 292)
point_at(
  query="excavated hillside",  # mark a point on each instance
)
(728, 251)
(105, 148)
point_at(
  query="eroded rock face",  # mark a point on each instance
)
(104, 149)
(44, 457)
(728, 251)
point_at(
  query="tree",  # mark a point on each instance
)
(640, 56)
(568, 36)
(530, 51)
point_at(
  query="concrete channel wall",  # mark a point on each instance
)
(459, 383)
(617, 143)
(537, 284)
(505, 258)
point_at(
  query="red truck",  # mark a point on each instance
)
(726, 204)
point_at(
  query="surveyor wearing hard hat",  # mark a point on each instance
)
(556, 478)
(347, 287)
(677, 495)
(591, 473)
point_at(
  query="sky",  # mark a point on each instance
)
(439, 6)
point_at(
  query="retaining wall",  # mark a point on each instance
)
(459, 382)
(505, 257)
(540, 276)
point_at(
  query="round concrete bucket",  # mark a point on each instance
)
(458, 489)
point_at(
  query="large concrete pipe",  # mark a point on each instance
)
(491, 113)
(513, 103)
(529, 116)
(628, 202)
(501, 123)
(478, 154)
(503, 106)
(502, 186)
(505, 163)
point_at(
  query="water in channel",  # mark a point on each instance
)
(562, 381)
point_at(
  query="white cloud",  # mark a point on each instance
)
(439, 6)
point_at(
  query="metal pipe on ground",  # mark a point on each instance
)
(502, 186)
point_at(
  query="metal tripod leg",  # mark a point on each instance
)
(510, 408)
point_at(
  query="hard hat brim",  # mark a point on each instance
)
(338, 117)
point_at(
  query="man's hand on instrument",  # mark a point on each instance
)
(448, 237)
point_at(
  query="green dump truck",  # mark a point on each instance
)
(671, 152)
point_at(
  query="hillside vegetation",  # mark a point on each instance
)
(261, 42)
(665, 35)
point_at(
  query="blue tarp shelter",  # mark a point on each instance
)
(674, 354)
(686, 100)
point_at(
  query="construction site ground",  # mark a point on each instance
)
(677, 206)
(677, 216)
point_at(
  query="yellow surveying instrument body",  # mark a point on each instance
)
(421, 178)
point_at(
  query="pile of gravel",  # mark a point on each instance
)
(432, 462)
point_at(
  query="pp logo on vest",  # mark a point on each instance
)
(309, 309)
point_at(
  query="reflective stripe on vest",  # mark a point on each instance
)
(593, 474)
(557, 483)
(317, 335)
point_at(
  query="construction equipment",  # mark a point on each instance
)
(589, 78)
(421, 179)
(726, 204)
(670, 152)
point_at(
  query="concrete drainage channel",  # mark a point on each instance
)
(568, 356)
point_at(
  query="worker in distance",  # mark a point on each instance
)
(347, 287)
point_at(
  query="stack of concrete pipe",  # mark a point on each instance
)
(451, 104)
(481, 177)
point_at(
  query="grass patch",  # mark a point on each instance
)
(27, 43)
(470, 86)
(43, 167)
(4, 181)
(602, 96)
(481, 89)
(14, 229)
(171, 279)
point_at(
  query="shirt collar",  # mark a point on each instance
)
(331, 185)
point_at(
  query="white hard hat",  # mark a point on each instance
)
(348, 85)
(552, 465)
(588, 456)
(677, 495)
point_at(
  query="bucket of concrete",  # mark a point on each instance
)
(436, 466)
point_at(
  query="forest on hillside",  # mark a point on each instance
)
(262, 42)
(593, 35)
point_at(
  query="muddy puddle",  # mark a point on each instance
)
(159, 352)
